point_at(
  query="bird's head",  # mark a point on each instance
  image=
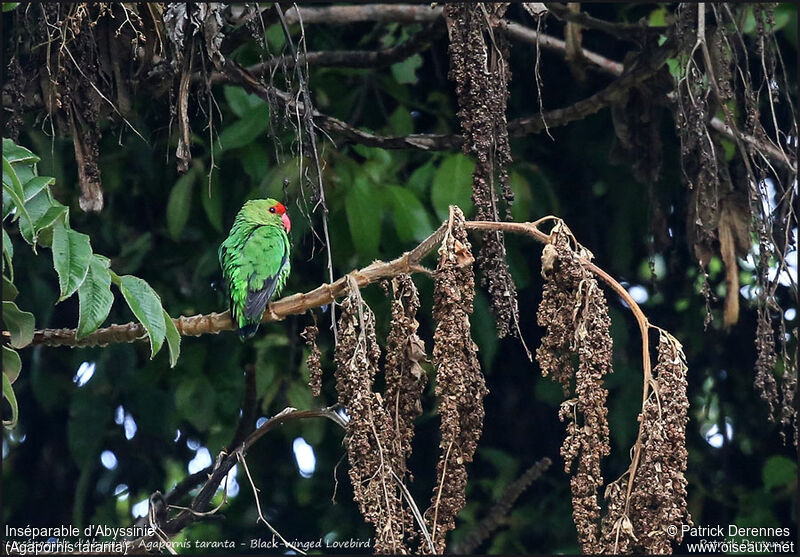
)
(268, 211)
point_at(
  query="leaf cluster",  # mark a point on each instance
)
(44, 222)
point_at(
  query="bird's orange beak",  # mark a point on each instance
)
(287, 224)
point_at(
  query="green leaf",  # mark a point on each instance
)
(195, 399)
(146, 306)
(10, 291)
(255, 161)
(54, 213)
(94, 296)
(364, 212)
(19, 323)
(179, 204)
(12, 364)
(298, 394)
(37, 208)
(8, 254)
(406, 71)
(36, 184)
(8, 394)
(212, 203)
(71, 255)
(730, 149)
(778, 471)
(521, 209)
(25, 172)
(401, 121)
(173, 339)
(12, 186)
(484, 331)
(411, 219)
(452, 185)
(275, 37)
(781, 18)
(8, 203)
(16, 153)
(243, 131)
(420, 179)
(239, 100)
(9, 6)
(658, 17)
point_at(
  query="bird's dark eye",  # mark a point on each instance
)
(272, 209)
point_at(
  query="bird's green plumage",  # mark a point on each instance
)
(255, 262)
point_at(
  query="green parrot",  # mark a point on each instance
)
(255, 261)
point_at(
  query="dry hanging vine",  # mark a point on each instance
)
(647, 505)
(731, 201)
(575, 314)
(460, 386)
(370, 432)
(478, 57)
(649, 516)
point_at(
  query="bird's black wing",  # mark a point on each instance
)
(257, 300)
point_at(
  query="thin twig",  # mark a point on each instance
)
(439, 491)
(636, 32)
(286, 544)
(310, 127)
(216, 474)
(415, 511)
(345, 58)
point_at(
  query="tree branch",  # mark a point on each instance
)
(240, 76)
(348, 58)
(410, 13)
(643, 68)
(214, 323)
(211, 324)
(215, 476)
(636, 32)
(415, 13)
(383, 13)
(528, 35)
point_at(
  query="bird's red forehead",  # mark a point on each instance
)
(279, 208)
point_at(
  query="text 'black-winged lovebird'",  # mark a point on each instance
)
(255, 261)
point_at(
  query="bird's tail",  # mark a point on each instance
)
(248, 331)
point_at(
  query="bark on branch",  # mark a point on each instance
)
(214, 323)
(348, 58)
(198, 510)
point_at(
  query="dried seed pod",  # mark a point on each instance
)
(405, 377)
(657, 508)
(479, 67)
(369, 437)
(313, 361)
(765, 345)
(575, 314)
(788, 405)
(460, 385)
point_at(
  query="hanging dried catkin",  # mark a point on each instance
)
(460, 385)
(370, 434)
(574, 312)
